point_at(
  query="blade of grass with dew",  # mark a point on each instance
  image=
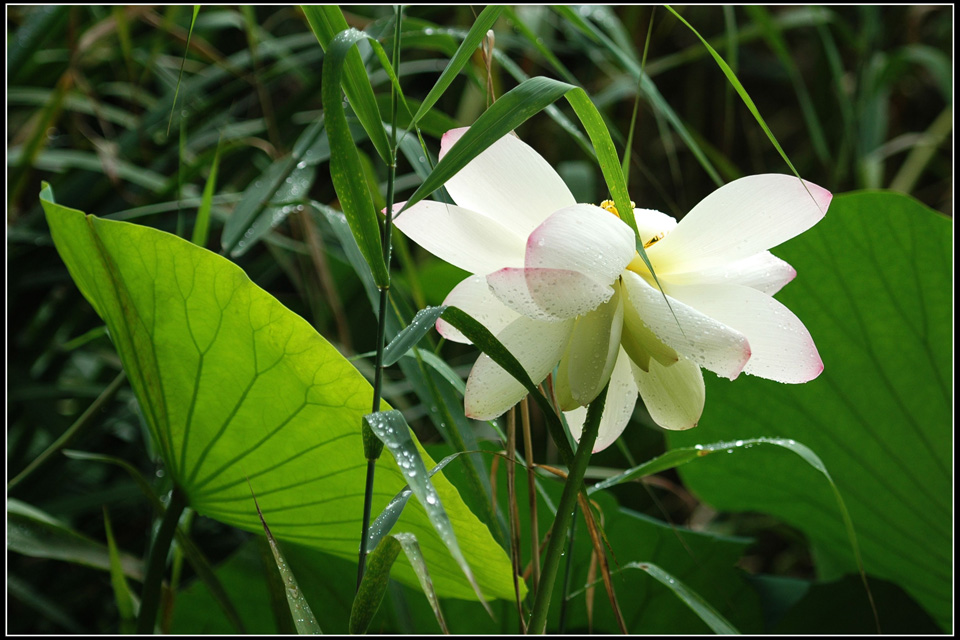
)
(186, 48)
(411, 335)
(346, 169)
(262, 190)
(391, 428)
(411, 548)
(683, 455)
(553, 112)
(201, 228)
(388, 517)
(289, 198)
(466, 50)
(704, 610)
(303, 618)
(326, 22)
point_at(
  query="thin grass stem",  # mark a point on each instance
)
(382, 309)
(565, 508)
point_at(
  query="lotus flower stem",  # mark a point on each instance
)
(565, 509)
(150, 598)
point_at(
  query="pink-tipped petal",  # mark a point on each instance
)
(673, 395)
(548, 294)
(764, 272)
(474, 296)
(509, 182)
(782, 348)
(582, 238)
(536, 345)
(617, 408)
(450, 138)
(738, 220)
(464, 238)
(691, 333)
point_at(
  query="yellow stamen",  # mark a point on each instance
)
(649, 243)
(637, 265)
(609, 206)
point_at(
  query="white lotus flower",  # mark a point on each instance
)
(561, 286)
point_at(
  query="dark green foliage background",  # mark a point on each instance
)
(858, 97)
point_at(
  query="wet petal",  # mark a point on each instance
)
(781, 347)
(764, 272)
(592, 350)
(548, 294)
(464, 238)
(738, 220)
(537, 345)
(474, 296)
(509, 182)
(617, 409)
(641, 343)
(673, 395)
(582, 238)
(693, 334)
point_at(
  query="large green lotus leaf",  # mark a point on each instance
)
(874, 287)
(236, 387)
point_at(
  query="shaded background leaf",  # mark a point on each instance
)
(874, 287)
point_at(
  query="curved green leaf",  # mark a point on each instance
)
(373, 585)
(346, 170)
(464, 52)
(874, 288)
(34, 533)
(411, 334)
(233, 385)
(326, 22)
(703, 609)
(122, 595)
(392, 429)
(303, 619)
(234, 237)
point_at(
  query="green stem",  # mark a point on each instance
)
(367, 507)
(150, 599)
(568, 501)
(382, 311)
(567, 574)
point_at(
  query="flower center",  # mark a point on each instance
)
(636, 265)
(610, 207)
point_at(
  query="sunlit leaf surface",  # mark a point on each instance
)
(234, 386)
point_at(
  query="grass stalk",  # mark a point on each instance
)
(382, 310)
(568, 500)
